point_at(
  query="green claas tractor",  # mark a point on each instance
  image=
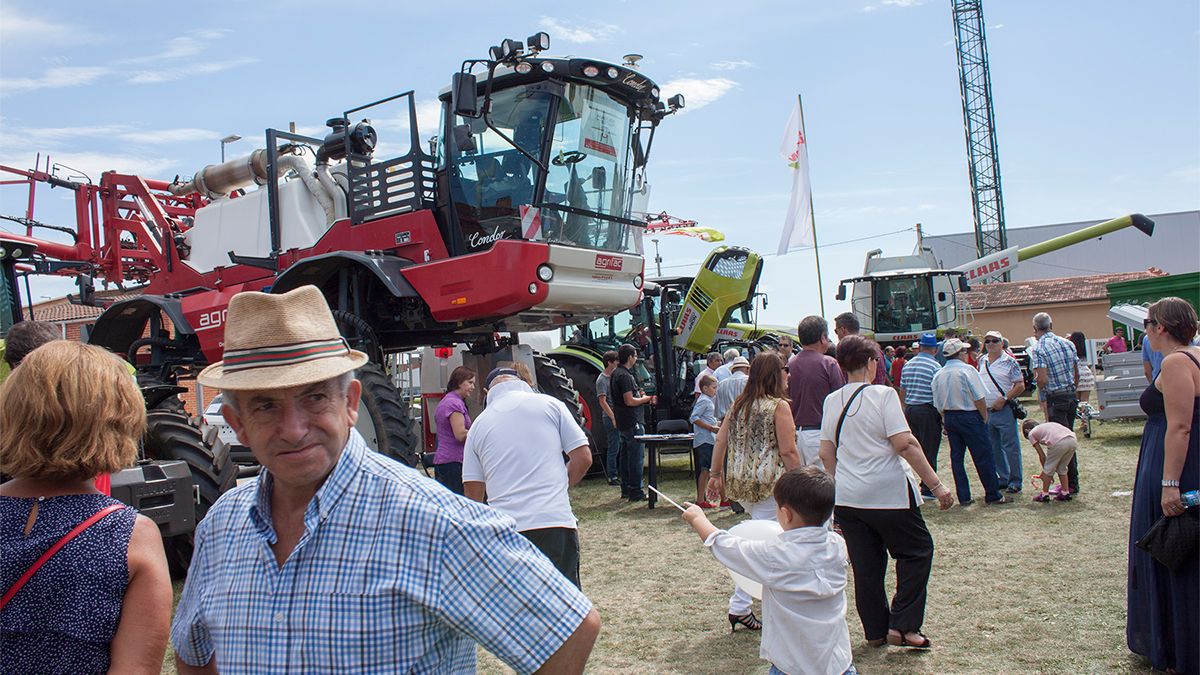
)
(677, 319)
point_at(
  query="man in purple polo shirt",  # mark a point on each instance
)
(811, 376)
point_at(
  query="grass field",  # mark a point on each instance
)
(1018, 588)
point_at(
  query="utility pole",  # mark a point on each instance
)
(657, 259)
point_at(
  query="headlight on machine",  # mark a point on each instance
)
(637, 282)
(545, 273)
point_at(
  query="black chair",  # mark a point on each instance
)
(677, 427)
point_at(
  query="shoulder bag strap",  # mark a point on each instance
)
(79, 529)
(837, 435)
(987, 366)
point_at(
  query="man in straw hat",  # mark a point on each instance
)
(338, 559)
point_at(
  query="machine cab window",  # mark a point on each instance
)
(903, 304)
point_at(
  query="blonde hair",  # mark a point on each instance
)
(70, 412)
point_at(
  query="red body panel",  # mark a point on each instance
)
(493, 283)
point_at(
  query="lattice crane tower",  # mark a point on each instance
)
(980, 128)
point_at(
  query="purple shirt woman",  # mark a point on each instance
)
(453, 420)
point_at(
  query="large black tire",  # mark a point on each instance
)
(553, 381)
(583, 376)
(170, 436)
(384, 419)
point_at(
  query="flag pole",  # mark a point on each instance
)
(812, 216)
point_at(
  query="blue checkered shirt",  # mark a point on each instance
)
(1058, 356)
(916, 379)
(957, 386)
(393, 574)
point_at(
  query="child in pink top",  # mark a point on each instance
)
(1055, 446)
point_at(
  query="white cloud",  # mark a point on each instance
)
(54, 78)
(732, 65)
(997, 26)
(184, 46)
(904, 3)
(16, 28)
(561, 30)
(172, 74)
(697, 93)
(52, 137)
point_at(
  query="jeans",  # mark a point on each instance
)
(1006, 447)
(967, 431)
(740, 602)
(926, 424)
(1060, 407)
(633, 458)
(613, 435)
(450, 475)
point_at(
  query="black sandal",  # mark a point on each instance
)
(748, 620)
(901, 640)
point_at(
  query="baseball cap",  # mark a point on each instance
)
(497, 372)
(928, 340)
(995, 334)
(953, 346)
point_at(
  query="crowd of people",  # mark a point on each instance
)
(337, 558)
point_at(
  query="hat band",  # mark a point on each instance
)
(283, 355)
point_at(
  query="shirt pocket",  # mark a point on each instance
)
(353, 633)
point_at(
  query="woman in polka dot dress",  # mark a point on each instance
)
(102, 603)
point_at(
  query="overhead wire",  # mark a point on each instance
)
(773, 255)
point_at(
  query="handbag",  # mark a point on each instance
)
(1018, 409)
(1172, 541)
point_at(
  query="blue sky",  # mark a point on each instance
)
(1097, 103)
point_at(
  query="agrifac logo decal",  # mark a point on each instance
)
(609, 262)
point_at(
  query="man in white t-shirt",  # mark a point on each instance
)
(723, 371)
(513, 460)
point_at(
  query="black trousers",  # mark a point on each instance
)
(450, 475)
(872, 534)
(926, 425)
(561, 546)
(1061, 408)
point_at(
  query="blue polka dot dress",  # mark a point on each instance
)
(64, 619)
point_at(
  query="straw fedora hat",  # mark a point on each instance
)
(280, 341)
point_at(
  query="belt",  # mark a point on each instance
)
(1062, 392)
(810, 427)
(913, 405)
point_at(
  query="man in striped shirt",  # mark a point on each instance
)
(338, 559)
(1055, 364)
(916, 391)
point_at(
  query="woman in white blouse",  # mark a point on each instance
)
(877, 505)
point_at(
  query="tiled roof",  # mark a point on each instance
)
(60, 310)
(1047, 291)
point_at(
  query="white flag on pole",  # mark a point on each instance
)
(798, 227)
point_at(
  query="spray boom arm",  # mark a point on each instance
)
(1009, 258)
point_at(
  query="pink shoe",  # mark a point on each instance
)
(1041, 497)
(1056, 490)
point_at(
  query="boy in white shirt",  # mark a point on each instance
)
(803, 573)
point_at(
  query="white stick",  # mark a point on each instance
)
(672, 501)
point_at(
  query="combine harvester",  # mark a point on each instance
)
(899, 298)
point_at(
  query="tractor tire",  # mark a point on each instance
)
(583, 376)
(170, 436)
(384, 419)
(553, 381)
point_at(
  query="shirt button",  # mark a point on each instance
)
(279, 617)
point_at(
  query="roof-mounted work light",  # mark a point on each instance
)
(538, 42)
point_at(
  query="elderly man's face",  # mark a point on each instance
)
(297, 433)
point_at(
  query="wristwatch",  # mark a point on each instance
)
(1170, 483)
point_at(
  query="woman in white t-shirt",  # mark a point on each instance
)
(877, 502)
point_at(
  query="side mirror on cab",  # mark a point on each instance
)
(963, 285)
(599, 178)
(464, 140)
(463, 98)
(841, 294)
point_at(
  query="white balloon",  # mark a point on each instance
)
(754, 530)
